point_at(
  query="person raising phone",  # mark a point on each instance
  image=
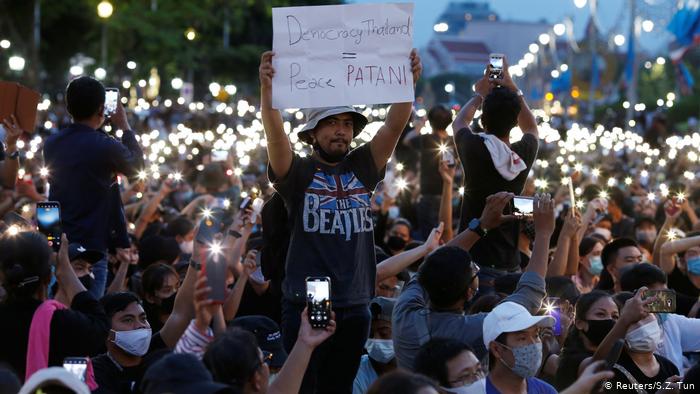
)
(492, 164)
(83, 164)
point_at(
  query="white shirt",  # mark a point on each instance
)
(680, 334)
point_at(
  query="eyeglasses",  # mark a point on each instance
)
(468, 378)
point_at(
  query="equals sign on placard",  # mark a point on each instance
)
(349, 55)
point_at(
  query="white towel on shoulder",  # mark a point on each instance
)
(507, 162)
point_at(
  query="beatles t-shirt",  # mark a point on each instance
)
(332, 233)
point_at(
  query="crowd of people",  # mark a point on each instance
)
(441, 280)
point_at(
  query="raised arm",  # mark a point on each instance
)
(68, 282)
(445, 213)
(662, 254)
(279, 151)
(491, 217)
(233, 300)
(466, 114)
(183, 310)
(383, 144)
(150, 209)
(126, 156)
(526, 120)
(9, 165)
(559, 262)
(544, 227)
(395, 264)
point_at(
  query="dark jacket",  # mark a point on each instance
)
(83, 164)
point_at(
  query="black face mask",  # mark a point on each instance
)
(331, 158)
(167, 304)
(87, 281)
(598, 329)
(395, 243)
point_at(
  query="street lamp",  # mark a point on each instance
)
(16, 63)
(104, 11)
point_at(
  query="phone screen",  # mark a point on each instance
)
(215, 271)
(219, 155)
(77, 366)
(665, 301)
(523, 206)
(449, 157)
(572, 195)
(48, 217)
(496, 62)
(111, 101)
(318, 291)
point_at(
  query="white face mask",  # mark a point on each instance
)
(645, 338)
(187, 247)
(478, 387)
(394, 212)
(135, 342)
(380, 350)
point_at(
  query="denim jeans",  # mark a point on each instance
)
(99, 271)
(334, 363)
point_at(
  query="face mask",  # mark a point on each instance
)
(644, 339)
(596, 265)
(646, 235)
(477, 387)
(694, 265)
(598, 329)
(331, 158)
(134, 342)
(394, 212)
(395, 243)
(87, 281)
(380, 350)
(187, 247)
(167, 304)
(527, 360)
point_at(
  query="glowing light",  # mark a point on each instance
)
(441, 27)
(176, 83)
(672, 234)
(580, 3)
(105, 9)
(5, 44)
(100, 73)
(628, 181)
(660, 61)
(215, 248)
(647, 25)
(595, 172)
(401, 184)
(13, 230)
(44, 172)
(206, 213)
(603, 194)
(399, 167)
(190, 34)
(651, 196)
(16, 63)
(559, 29)
(619, 40)
(544, 38)
(680, 197)
(534, 48)
(461, 190)
(131, 65)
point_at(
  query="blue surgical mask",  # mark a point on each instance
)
(694, 265)
(596, 264)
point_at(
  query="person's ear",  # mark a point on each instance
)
(179, 239)
(581, 325)
(496, 350)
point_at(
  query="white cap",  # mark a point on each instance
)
(511, 317)
(55, 375)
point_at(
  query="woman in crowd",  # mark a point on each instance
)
(159, 285)
(590, 264)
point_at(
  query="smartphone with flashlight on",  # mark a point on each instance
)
(496, 62)
(318, 298)
(111, 101)
(48, 218)
(551, 307)
(215, 270)
(523, 207)
(448, 156)
(219, 155)
(209, 226)
(77, 366)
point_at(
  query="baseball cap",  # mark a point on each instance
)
(268, 335)
(54, 376)
(511, 317)
(180, 374)
(78, 251)
(315, 115)
(382, 308)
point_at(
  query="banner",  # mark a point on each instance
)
(342, 55)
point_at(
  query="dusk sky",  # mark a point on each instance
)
(613, 16)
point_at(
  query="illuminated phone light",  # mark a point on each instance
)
(237, 171)
(227, 203)
(664, 192)
(142, 175)
(215, 248)
(139, 195)
(549, 307)
(177, 176)
(401, 184)
(156, 175)
(603, 194)
(399, 167)
(580, 204)
(13, 230)
(651, 196)
(672, 234)
(442, 148)
(206, 213)
(25, 208)
(680, 197)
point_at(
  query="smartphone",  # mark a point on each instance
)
(111, 101)
(614, 354)
(209, 226)
(552, 309)
(219, 155)
(523, 207)
(449, 157)
(318, 296)
(496, 62)
(48, 218)
(77, 366)
(215, 270)
(246, 203)
(257, 206)
(665, 301)
(572, 195)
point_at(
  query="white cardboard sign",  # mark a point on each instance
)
(342, 55)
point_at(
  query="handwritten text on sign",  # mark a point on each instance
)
(342, 55)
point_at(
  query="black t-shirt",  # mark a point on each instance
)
(428, 145)
(115, 379)
(666, 370)
(499, 249)
(80, 331)
(332, 232)
(680, 282)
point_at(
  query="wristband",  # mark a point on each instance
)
(234, 234)
(197, 266)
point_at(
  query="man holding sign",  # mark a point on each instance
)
(327, 196)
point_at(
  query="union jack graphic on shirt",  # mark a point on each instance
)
(337, 204)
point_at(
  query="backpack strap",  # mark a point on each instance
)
(629, 377)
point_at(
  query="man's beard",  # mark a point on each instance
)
(329, 157)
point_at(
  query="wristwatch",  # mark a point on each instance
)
(475, 226)
(234, 233)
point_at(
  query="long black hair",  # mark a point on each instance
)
(24, 260)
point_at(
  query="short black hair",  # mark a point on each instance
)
(563, 288)
(431, 359)
(157, 248)
(117, 302)
(439, 117)
(446, 275)
(639, 275)
(617, 196)
(84, 97)
(500, 111)
(401, 222)
(233, 357)
(154, 276)
(181, 226)
(609, 253)
(24, 259)
(400, 382)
